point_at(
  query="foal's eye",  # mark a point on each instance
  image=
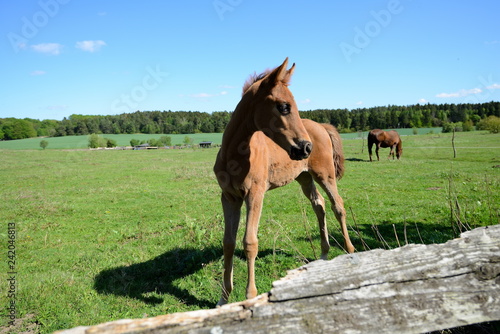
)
(283, 108)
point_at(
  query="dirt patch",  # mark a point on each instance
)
(25, 325)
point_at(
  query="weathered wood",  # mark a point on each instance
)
(413, 289)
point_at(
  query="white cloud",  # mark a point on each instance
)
(460, 93)
(48, 48)
(445, 95)
(423, 101)
(202, 95)
(207, 95)
(90, 46)
(494, 86)
(38, 72)
(359, 103)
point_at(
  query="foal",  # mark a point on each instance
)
(267, 145)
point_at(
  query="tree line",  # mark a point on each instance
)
(413, 116)
(186, 122)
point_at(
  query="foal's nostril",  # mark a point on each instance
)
(308, 148)
(301, 150)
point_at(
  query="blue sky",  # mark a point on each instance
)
(63, 57)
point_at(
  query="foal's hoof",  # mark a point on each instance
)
(221, 302)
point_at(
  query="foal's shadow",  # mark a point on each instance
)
(158, 275)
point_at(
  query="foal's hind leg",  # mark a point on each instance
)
(318, 204)
(328, 182)
(232, 212)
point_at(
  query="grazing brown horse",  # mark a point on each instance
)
(267, 145)
(384, 139)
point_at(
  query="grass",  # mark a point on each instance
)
(105, 235)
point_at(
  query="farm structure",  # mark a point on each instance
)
(205, 144)
(412, 289)
(145, 146)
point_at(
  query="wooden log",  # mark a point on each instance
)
(412, 289)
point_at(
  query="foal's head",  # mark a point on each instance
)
(275, 112)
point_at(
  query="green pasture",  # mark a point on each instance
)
(105, 235)
(79, 142)
(402, 132)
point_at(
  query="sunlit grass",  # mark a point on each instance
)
(104, 235)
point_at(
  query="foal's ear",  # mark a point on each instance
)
(281, 74)
(289, 73)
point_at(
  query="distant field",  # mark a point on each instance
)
(78, 142)
(105, 235)
(402, 132)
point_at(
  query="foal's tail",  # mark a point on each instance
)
(338, 153)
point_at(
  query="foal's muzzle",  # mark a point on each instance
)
(301, 150)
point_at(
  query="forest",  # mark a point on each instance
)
(465, 116)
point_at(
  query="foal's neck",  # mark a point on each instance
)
(238, 131)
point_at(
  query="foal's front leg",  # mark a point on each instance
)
(232, 211)
(250, 241)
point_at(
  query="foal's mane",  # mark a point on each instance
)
(253, 79)
(256, 77)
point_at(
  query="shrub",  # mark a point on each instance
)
(166, 140)
(188, 141)
(44, 144)
(154, 142)
(491, 124)
(135, 142)
(449, 127)
(468, 125)
(110, 142)
(96, 141)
